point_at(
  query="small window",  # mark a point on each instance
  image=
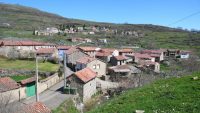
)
(94, 66)
(98, 66)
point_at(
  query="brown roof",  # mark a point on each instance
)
(125, 50)
(64, 47)
(120, 57)
(152, 51)
(28, 80)
(23, 43)
(85, 60)
(37, 107)
(108, 50)
(6, 84)
(46, 50)
(86, 74)
(101, 54)
(139, 55)
(71, 50)
(88, 48)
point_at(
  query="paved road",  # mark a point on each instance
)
(52, 97)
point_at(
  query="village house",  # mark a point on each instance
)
(125, 52)
(47, 32)
(158, 54)
(7, 46)
(104, 41)
(173, 53)
(118, 60)
(84, 81)
(185, 54)
(122, 71)
(137, 57)
(47, 52)
(91, 51)
(72, 55)
(81, 40)
(94, 64)
(9, 90)
(154, 66)
(104, 56)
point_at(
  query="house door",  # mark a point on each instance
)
(30, 89)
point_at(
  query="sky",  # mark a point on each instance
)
(172, 13)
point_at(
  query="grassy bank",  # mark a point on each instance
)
(27, 65)
(174, 95)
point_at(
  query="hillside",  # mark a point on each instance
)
(174, 95)
(18, 22)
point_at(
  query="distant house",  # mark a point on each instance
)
(91, 51)
(137, 57)
(72, 55)
(103, 40)
(185, 54)
(154, 66)
(118, 60)
(104, 56)
(85, 83)
(47, 32)
(81, 40)
(47, 52)
(158, 54)
(125, 52)
(121, 71)
(37, 107)
(173, 53)
(113, 52)
(94, 64)
(7, 46)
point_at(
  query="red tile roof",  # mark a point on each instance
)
(139, 55)
(64, 47)
(28, 80)
(45, 50)
(88, 48)
(125, 50)
(23, 43)
(6, 84)
(37, 107)
(120, 57)
(86, 74)
(71, 50)
(101, 54)
(85, 60)
(108, 50)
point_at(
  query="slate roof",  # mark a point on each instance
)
(6, 84)
(85, 74)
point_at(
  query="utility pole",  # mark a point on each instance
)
(36, 73)
(64, 66)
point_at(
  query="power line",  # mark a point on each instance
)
(184, 18)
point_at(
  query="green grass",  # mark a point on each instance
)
(174, 95)
(18, 78)
(27, 65)
(66, 107)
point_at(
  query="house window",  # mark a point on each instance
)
(94, 66)
(98, 66)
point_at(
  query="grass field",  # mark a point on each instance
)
(174, 95)
(27, 65)
(18, 78)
